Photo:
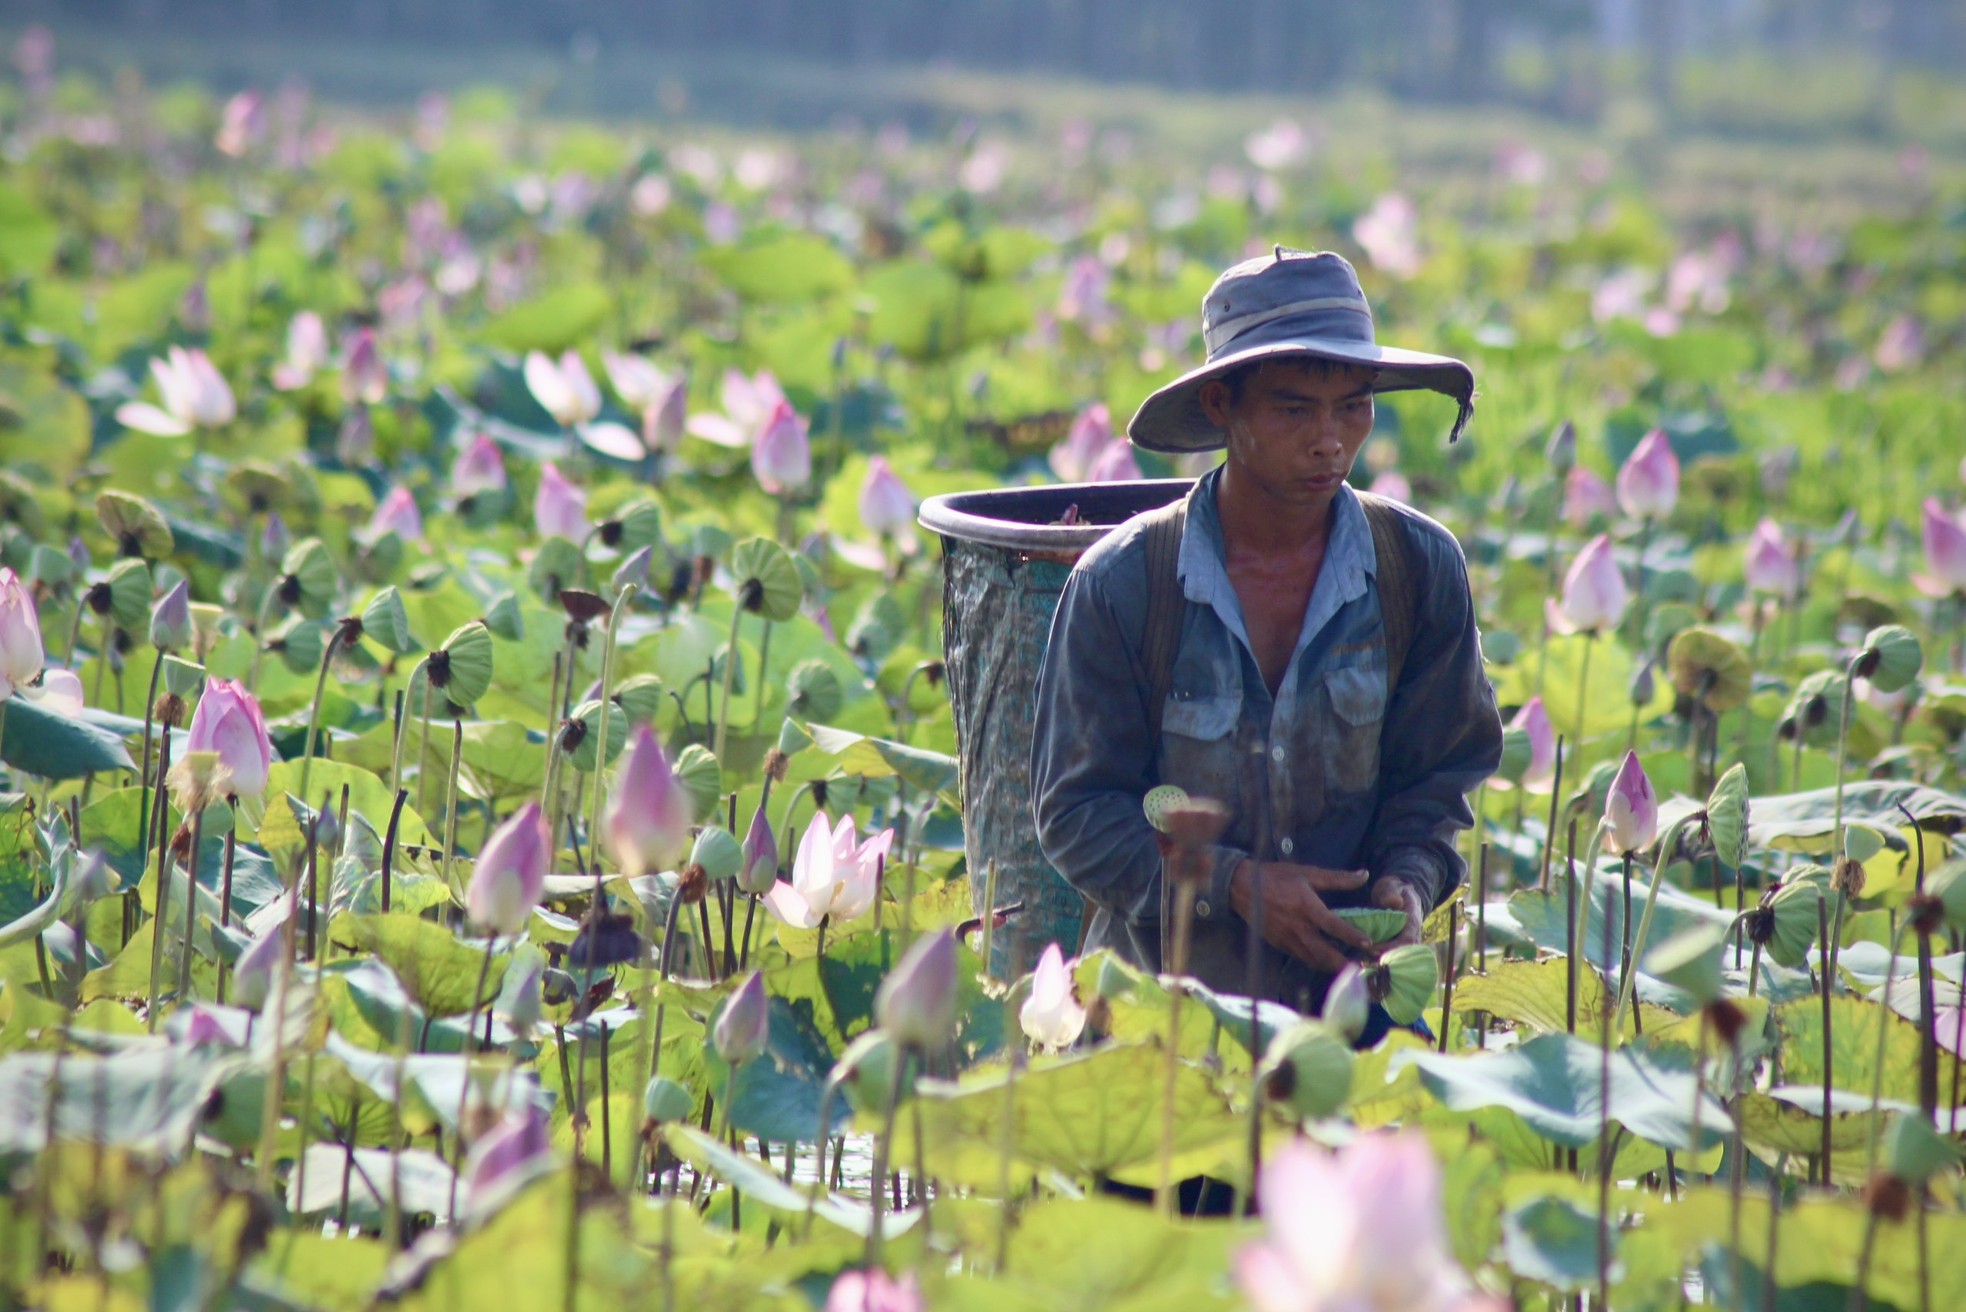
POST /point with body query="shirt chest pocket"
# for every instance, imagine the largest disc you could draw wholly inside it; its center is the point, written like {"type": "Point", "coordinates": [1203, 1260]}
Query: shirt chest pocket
{"type": "Point", "coordinates": [1198, 743]}
{"type": "Point", "coordinates": [1357, 699]}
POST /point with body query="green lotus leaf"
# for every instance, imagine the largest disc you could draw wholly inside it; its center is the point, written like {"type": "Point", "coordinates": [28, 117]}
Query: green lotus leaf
{"type": "Point", "coordinates": [764, 580]}
{"type": "Point", "coordinates": [1309, 1069]}
{"type": "Point", "coordinates": [698, 772]}
{"type": "Point", "coordinates": [308, 577]}
{"type": "Point", "coordinates": [557, 565]}
{"type": "Point", "coordinates": [1690, 960]}
{"type": "Point", "coordinates": [1948, 884]}
{"type": "Point", "coordinates": [1404, 982]}
{"type": "Point", "coordinates": [813, 691]}
{"type": "Point", "coordinates": [467, 656]}
{"type": "Point", "coordinates": [1376, 923]}
{"type": "Point", "coordinates": [639, 697]}
{"type": "Point", "coordinates": [136, 526]}
{"type": "Point", "coordinates": [1727, 815]}
{"type": "Point", "coordinates": [1709, 669]}
{"type": "Point", "coordinates": [502, 617]}
{"type": "Point", "coordinates": [664, 1100]}
{"type": "Point", "coordinates": [587, 736]}
{"type": "Point", "coordinates": [1160, 800]}
{"type": "Point", "coordinates": [387, 621]}
{"type": "Point", "coordinates": [20, 504]}
{"type": "Point", "coordinates": [717, 851]}
{"type": "Point", "coordinates": [1893, 656]}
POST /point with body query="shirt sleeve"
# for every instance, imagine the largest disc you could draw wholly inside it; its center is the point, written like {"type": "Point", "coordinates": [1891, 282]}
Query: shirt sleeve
{"type": "Point", "coordinates": [1442, 736]}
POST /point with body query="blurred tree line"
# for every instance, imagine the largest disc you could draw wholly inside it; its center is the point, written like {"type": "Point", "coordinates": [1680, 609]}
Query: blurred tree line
{"type": "Point", "coordinates": [1433, 49]}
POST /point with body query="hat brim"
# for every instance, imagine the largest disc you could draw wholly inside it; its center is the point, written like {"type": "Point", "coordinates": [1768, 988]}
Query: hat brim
{"type": "Point", "coordinates": [1172, 420]}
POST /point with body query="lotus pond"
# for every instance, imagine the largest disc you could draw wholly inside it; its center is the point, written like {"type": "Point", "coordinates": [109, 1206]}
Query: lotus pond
{"type": "Point", "coordinates": [482, 822]}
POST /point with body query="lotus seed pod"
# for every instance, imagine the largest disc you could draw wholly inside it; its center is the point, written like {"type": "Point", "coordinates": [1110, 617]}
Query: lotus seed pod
{"type": "Point", "coordinates": [1309, 1068]}
{"type": "Point", "coordinates": [1405, 980]}
{"type": "Point", "coordinates": [1727, 815]}
{"type": "Point", "coordinates": [718, 852]}
{"type": "Point", "coordinates": [1861, 842]}
{"type": "Point", "coordinates": [1892, 656]}
{"type": "Point", "coordinates": [503, 619]}
{"type": "Point", "coordinates": [387, 621]}
{"type": "Point", "coordinates": [665, 1102]}
{"type": "Point", "coordinates": [1159, 801]}
{"type": "Point", "coordinates": [1377, 923]}
{"type": "Point", "coordinates": [129, 594]}
{"type": "Point", "coordinates": [466, 665]}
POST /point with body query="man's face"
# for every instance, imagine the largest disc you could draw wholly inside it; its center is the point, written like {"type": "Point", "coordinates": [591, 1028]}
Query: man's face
{"type": "Point", "coordinates": [1296, 427]}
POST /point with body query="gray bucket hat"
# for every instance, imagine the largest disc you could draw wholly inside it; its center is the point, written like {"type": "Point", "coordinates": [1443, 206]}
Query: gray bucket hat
{"type": "Point", "coordinates": [1287, 304]}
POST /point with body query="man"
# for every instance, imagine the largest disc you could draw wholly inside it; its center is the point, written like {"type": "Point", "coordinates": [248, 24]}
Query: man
{"type": "Point", "coordinates": [1320, 673]}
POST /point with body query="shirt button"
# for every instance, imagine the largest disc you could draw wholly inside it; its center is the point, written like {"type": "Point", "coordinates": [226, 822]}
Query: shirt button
{"type": "Point", "coordinates": [1287, 846]}
{"type": "Point", "coordinates": [1201, 908]}
{"type": "Point", "coordinates": [1276, 753]}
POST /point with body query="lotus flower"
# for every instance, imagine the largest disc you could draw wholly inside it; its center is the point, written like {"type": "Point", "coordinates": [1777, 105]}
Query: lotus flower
{"type": "Point", "coordinates": [635, 379]}
{"type": "Point", "coordinates": [193, 392]}
{"type": "Point", "coordinates": [1631, 812]}
{"type": "Point", "coordinates": [743, 1024]}
{"type": "Point", "coordinates": [1945, 553]}
{"type": "Point", "coordinates": [1648, 484]}
{"type": "Point", "coordinates": [874, 1291]}
{"type": "Point", "coordinates": [1389, 234]}
{"type": "Point", "coordinates": [1091, 433]}
{"type": "Point", "coordinates": [1082, 300]}
{"type": "Point", "coordinates": [831, 875]}
{"type": "Point", "coordinates": [748, 400]}
{"type": "Point", "coordinates": [886, 505]}
{"type": "Point", "coordinates": [648, 816]}
{"type": "Point", "coordinates": [60, 692]}
{"type": "Point", "coordinates": [782, 455]}
{"type": "Point", "coordinates": [170, 619]}
{"type": "Point", "coordinates": [21, 655]}
{"type": "Point", "coordinates": [228, 722]}
{"type": "Point", "coordinates": [1771, 561]}
{"type": "Point", "coordinates": [563, 388]}
{"type": "Point", "coordinates": [559, 509]}
{"type": "Point", "coordinates": [510, 873]}
{"type": "Point", "coordinates": [1534, 720]}
{"type": "Point", "coordinates": [1115, 464]}
{"type": "Point", "coordinates": [665, 422]}
{"type": "Point", "coordinates": [479, 468]}
{"type": "Point", "coordinates": [307, 352]}
{"type": "Point", "coordinates": [364, 377]}
{"type": "Point", "coordinates": [1051, 1017]}
{"type": "Point", "coordinates": [396, 513]}
{"type": "Point", "coordinates": [1594, 592]}
{"type": "Point", "coordinates": [515, 1143]}
{"type": "Point", "coordinates": [241, 123]}
{"type": "Point", "coordinates": [1362, 1230]}
{"type": "Point", "coordinates": [1585, 497]}
{"type": "Point", "coordinates": [916, 1003]}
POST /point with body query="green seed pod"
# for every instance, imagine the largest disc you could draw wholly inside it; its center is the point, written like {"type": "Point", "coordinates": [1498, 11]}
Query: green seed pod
{"type": "Point", "coordinates": [1159, 801]}
{"type": "Point", "coordinates": [47, 565]}
{"type": "Point", "coordinates": [764, 580]}
{"type": "Point", "coordinates": [698, 772]}
{"type": "Point", "coordinates": [640, 525]}
{"type": "Point", "coordinates": [502, 617]}
{"type": "Point", "coordinates": [555, 566]}
{"type": "Point", "coordinates": [1308, 1068]}
{"type": "Point", "coordinates": [1727, 815]}
{"type": "Point", "coordinates": [1690, 960]}
{"type": "Point", "coordinates": [129, 594]}
{"type": "Point", "coordinates": [584, 742]}
{"type": "Point", "coordinates": [813, 691]}
{"type": "Point", "coordinates": [300, 642]}
{"type": "Point", "coordinates": [1405, 980]}
{"type": "Point", "coordinates": [1817, 707]}
{"type": "Point", "coordinates": [1789, 927]}
{"type": "Point", "coordinates": [1861, 842]}
{"type": "Point", "coordinates": [665, 1102]}
{"type": "Point", "coordinates": [639, 698]}
{"type": "Point", "coordinates": [136, 526]}
{"type": "Point", "coordinates": [385, 620]}
{"type": "Point", "coordinates": [308, 577]}
{"type": "Point", "coordinates": [182, 677]}
{"type": "Point", "coordinates": [1376, 923]}
{"type": "Point", "coordinates": [1892, 656]}
{"type": "Point", "coordinates": [718, 852]}
{"type": "Point", "coordinates": [1709, 669]}
{"type": "Point", "coordinates": [467, 661]}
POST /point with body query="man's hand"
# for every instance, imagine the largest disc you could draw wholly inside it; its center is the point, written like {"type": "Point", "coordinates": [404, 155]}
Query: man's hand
{"type": "Point", "coordinates": [1396, 894]}
{"type": "Point", "coordinates": [1295, 919]}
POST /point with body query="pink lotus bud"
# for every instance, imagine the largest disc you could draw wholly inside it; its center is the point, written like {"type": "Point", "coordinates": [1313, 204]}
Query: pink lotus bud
{"type": "Point", "coordinates": [397, 513]}
{"type": "Point", "coordinates": [1082, 300]}
{"type": "Point", "coordinates": [1051, 1017]}
{"type": "Point", "coordinates": [21, 655]}
{"type": "Point", "coordinates": [253, 974]}
{"type": "Point", "coordinates": [665, 422]}
{"type": "Point", "coordinates": [1771, 561]}
{"type": "Point", "coordinates": [1585, 497]}
{"type": "Point", "coordinates": [874, 1291]}
{"type": "Point", "coordinates": [648, 815]}
{"type": "Point", "coordinates": [170, 619]}
{"type": "Point", "coordinates": [274, 538]}
{"type": "Point", "coordinates": [228, 721]}
{"type": "Point", "coordinates": [1115, 464]}
{"type": "Point", "coordinates": [559, 509]}
{"type": "Point", "coordinates": [886, 506]}
{"type": "Point", "coordinates": [510, 873]}
{"type": "Point", "coordinates": [307, 352]}
{"type": "Point", "coordinates": [782, 455]}
{"type": "Point", "coordinates": [1631, 812]}
{"type": "Point", "coordinates": [1348, 1003]}
{"type": "Point", "coordinates": [1090, 435]}
{"type": "Point", "coordinates": [916, 1003]}
{"type": "Point", "coordinates": [1534, 720]}
{"type": "Point", "coordinates": [241, 124]}
{"type": "Point", "coordinates": [743, 1024]}
{"type": "Point", "coordinates": [1648, 485]}
{"type": "Point", "coordinates": [760, 869]}
{"type": "Point", "coordinates": [479, 468]}
{"type": "Point", "coordinates": [364, 378]}
{"type": "Point", "coordinates": [1945, 552]}
{"type": "Point", "coordinates": [1594, 591]}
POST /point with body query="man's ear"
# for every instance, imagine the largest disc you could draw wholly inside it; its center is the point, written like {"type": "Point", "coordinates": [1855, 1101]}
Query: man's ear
{"type": "Point", "coordinates": [1214, 398]}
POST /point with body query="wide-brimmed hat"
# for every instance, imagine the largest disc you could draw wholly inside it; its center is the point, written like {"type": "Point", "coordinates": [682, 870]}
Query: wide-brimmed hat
{"type": "Point", "coordinates": [1290, 303]}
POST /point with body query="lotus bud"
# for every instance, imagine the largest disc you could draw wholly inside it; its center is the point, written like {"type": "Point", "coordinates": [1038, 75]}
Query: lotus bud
{"type": "Point", "coordinates": [1534, 720]}
{"type": "Point", "coordinates": [886, 505]}
{"type": "Point", "coordinates": [396, 513]}
{"type": "Point", "coordinates": [1348, 1003]}
{"type": "Point", "coordinates": [1404, 982]}
{"type": "Point", "coordinates": [759, 868]}
{"type": "Point", "coordinates": [633, 572]}
{"type": "Point", "coordinates": [252, 974]}
{"type": "Point", "coordinates": [273, 537]}
{"type": "Point", "coordinates": [718, 852]}
{"type": "Point", "coordinates": [228, 722]}
{"type": "Point", "coordinates": [1594, 591]}
{"type": "Point", "coordinates": [1631, 811]}
{"type": "Point", "coordinates": [743, 1024]}
{"type": "Point", "coordinates": [1772, 564]}
{"type": "Point", "coordinates": [479, 468]}
{"type": "Point", "coordinates": [1643, 684]}
{"type": "Point", "coordinates": [21, 655]}
{"type": "Point", "coordinates": [519, 1000]}
{"type": "Point", "coordinates": [781, 457]}
{"type": "Point", "coordinates": [1561, 450]}
{"type": "Point", "coordinates": [648, 816]}
{"type": "Point", "coordinates": [874, 1290]}
{"type": "Point", "coordinates": [1945, 552]}
{"type": "Point", "coordinates": [916, 1003]}
{"type": "Point", "coordinates": [1648, 483]}
{"type": "Point", "coordinates": [510, 873]}
{"type": "Point", "coordinates": [559, 508]}
{"type": "Point", "coordinates": [666, 1102]}
{"type": "Point", "coordinates": [1586, 497]}
{"type": "Point", "coordinates": [1308, 1067]}
{"type": "Point", "coordinates": [1051, 1017]}
{"type": "Point", "coordinates": [170, 619]}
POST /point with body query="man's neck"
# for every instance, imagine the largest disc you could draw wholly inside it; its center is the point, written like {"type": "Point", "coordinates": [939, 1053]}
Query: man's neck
{"type": "Point", "coordinates": [1256, 522]}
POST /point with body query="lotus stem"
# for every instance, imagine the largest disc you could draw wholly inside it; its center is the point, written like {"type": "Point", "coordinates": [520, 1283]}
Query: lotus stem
{"type": "Point", "coordinates": [450, 798]}
{"type": "Point", "coordinates": [1584, 685]}
{"type": "Point", "coordinates": [143, 761]}
{"type": "Point", "coordinates": [1549, 587]}
{"type": "Point", "coordinates": [190, 907]}
{"type": "Point", "coordinates": [764, 655]}
{"type": "Point", "coordinates": [601, 720]}
{"type": "Point", "coordinates": [1570, 933]}
{"type": "Point", "coordinates": [314, 707]}
{"type": "Point", "coordinates": [730, 680]}
{"type": "Point", "coordinates": [1836, 833]}
{"type": "Point", "coordinates": [1829, 1048]}
{"type": "Point", "coordinates": [1871, 1135]}
{"type": "Point", "coordinates": [826, 1094]}
{"type": "Point", "coordinates": [1006, 1138]}
{"type": "Point", "coordinates": [160, 914]}
{"type": "Point", "coordinates": [921, 1177]}
{"type": "Point", "coordinates": [1549, 829]}
{"type": "Point", "coordinates": [1447, 998]}
{"type": "Point", "coordinates": [1635, 949]}
{"type": "Point", "coordinates": [423, 742]}
{"type": "Point", "coordinates": [269, 1125]}
{"type": "Point", "coordinates": [883, 1145]}
{"type": "Point", "coordinates": [1774, 1233]}
{"type": "Point", "coordinates": [389, 842]}
{"type": "Point", "coordinates": [1607, 1145]}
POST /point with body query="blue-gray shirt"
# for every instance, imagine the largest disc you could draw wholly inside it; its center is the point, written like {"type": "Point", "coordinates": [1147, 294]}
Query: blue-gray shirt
{"type": "Point", "coordinates": [1335, 770]}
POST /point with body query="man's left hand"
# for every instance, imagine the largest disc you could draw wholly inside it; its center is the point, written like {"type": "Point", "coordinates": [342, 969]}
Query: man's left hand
{"type": "Point", "coordinates": [1396, 894]}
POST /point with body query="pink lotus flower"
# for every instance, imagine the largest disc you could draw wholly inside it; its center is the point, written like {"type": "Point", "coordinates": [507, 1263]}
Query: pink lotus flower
{"type": "Point", "coordinates": [60, 691]}
{"type": "Point", "coordinates": [364, 378]}
{"type": "Point", "coordinates": [648, 816]}
{"type": "Point", "coordinates": [1115, 464]}
{"type": "Point", "coordinates": [307, 352]}
{"type": "Point", "coordinates": [916, 1003]}
{"type": "Point", "coordinates": [1394, 486]}
{"type": "Point", "coordinates": [1945, 553]}
{"type": "Point", "coordinates": [1585, 497]}
{"type": "Point", "coordinates": [1082, 300]}
{"type": "Point", "coordinates": [510, 873]}
{"type": "Point", "coordinates": [1771, 561]}
{"type": "Point", "coordinates": [479, 468]}
{"type": "Point", "coordinates": [635, 378]}
{"type": "Point", "coordinates": [1534, 720]}
{"type": "Point", "coordinates": [1091, 433]}
{"type": "Point", "coordinates": [874, 1291]}
{"type": "Point", "coordinates": [1389, 234]}
{"type": "Point", "coordinates": [1594, 592]}
{"type": "Point", "coordinates": [832, 877]}
{"type": "Point", "coordinates": [886, 505]}
{"type": "Point", "coordinates": [193, 393]}
{"type": "Point", "coordinates": [1648, 484]}
{"type": "Point", "coordinates": [782, 455]}
{"type": "Point", "coordinates": [228, 721]}
{"type": "Point", "coordinates": [1051, 1017]}
{"type": "Point", "coordinates": [748, 401]}
{"type": "Point", "coordinates": [396, 513]}
{"type": "Point", "coordinates": [743, 1024]}
{"type": "Point", "coordinates": [563, 387]}
{"type": "Point", "coordinates": [241, 123]}
{"type": "Point", "coordinates": [559, 509]}
{"type": "Point", "coordinates": [1362, 1229]}
{"type": "Point", "coordinates": [21, 654]}
{"type": "Point", "coordinates": [1631, 811]}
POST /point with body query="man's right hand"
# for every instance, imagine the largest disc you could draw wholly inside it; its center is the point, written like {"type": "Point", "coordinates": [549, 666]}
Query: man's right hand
{"type": "Point", "coordinates": [1295, 919]}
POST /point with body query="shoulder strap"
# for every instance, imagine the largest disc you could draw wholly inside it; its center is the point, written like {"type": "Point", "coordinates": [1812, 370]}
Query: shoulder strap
{"type": "Point", "coordinates": [1399, 593]}
{"type": "Point", "coordinates": [1161, 638]}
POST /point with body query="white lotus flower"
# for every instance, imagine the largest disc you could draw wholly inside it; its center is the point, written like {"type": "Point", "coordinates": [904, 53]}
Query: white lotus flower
{"type": "Point", "coordinates": [195, 395]}
{"type": "Point", "coordinates": [1051, 1017]}
{"type": "Point", "coordinates": [563, 387]}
